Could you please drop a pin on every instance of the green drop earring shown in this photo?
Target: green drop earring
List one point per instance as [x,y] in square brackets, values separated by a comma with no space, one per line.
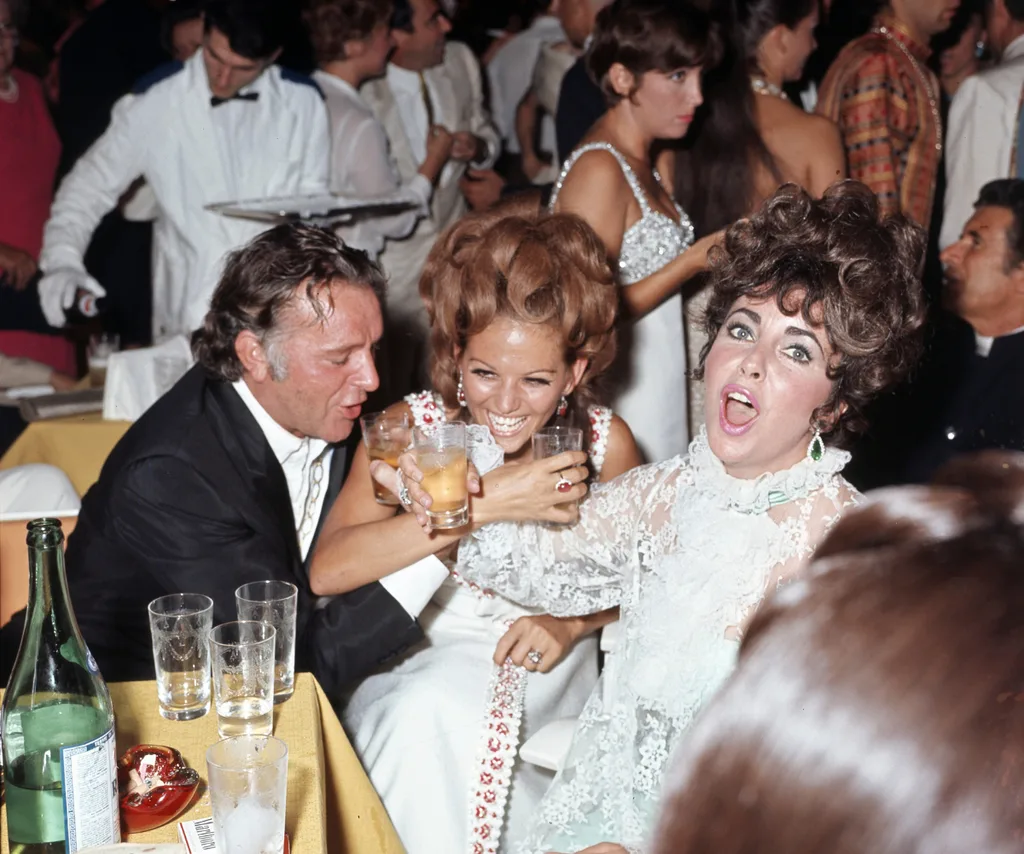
[816,449]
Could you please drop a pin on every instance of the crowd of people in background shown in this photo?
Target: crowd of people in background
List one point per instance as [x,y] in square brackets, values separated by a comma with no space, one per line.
[766,254]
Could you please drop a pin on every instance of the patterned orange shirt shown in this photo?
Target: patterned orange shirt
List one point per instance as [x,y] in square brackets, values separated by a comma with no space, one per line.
[887,116]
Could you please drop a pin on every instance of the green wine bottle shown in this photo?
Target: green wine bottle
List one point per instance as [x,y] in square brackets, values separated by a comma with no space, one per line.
[59,757]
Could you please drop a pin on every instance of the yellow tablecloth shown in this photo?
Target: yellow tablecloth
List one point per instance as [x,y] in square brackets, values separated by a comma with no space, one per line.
[331,804]
[78,444]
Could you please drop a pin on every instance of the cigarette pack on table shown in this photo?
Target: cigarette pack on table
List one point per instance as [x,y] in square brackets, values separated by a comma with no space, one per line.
[197,837]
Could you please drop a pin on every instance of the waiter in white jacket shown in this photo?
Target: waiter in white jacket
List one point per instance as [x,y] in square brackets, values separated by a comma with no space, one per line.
[982,127]
[226,125]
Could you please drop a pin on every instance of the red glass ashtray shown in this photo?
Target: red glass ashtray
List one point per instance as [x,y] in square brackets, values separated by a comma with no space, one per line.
[156,786]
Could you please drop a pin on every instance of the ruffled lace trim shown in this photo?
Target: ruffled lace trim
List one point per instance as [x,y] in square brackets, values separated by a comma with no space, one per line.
[761,493]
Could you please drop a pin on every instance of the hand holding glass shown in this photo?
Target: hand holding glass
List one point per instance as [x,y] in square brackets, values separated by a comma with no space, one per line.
[248,777]
[386,435]
[243,677]
[274,603]
[441,456]
[180,627]
[552,441]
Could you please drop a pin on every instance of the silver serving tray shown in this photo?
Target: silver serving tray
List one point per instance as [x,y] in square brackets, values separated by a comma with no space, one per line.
[316,208]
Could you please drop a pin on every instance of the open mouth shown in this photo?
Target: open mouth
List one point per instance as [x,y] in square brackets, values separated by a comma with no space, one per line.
[504,426]
[738,410]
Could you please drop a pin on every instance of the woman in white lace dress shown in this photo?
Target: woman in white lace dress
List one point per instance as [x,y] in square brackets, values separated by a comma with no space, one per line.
[522,309]
[648,57]
[815,308]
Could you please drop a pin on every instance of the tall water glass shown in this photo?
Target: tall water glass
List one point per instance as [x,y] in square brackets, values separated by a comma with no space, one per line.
[441,456]
[387,435]
[248,777]
[180,628]
[552,441]
[274,602]
[243,677]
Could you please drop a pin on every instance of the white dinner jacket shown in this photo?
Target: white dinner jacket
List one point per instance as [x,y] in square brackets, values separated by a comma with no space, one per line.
[192,154]
[980,134]
[458,104]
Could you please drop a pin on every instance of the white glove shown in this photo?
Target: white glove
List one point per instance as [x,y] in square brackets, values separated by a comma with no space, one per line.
[57,290]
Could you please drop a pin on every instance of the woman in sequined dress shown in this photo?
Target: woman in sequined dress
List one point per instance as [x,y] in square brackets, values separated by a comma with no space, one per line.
[648,57]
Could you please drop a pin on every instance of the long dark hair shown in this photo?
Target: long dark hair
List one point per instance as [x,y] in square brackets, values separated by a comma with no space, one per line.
[715,170]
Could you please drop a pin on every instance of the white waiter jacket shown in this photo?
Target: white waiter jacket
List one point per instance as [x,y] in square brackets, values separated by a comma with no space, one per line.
[980,135]
[192,154]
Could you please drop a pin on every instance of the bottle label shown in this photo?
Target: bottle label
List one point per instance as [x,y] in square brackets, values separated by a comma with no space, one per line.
[89,772]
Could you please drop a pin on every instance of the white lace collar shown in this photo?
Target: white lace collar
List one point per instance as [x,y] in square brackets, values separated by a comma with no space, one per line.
[760,494]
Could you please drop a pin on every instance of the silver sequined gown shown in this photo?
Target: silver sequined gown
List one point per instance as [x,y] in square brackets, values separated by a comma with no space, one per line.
[649,380]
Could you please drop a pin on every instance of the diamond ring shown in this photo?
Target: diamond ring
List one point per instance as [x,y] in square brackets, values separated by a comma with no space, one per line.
[535,656]
[403,491]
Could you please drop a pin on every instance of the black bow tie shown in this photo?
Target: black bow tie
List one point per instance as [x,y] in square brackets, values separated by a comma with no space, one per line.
[238,96]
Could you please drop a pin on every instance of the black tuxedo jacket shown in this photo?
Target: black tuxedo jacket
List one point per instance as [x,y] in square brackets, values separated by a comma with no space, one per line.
[982,409]
[193,500]
[580,104]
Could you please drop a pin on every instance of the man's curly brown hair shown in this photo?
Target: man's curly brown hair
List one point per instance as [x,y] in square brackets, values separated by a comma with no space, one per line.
[518,262]
[845,269]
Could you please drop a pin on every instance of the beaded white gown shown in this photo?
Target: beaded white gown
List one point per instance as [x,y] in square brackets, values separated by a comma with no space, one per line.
[418,724]
[688,552]
[649,379]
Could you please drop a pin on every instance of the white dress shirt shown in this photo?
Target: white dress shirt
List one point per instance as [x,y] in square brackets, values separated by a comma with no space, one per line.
[510,72]
[361,167]
[306,464]
[980,134]
[983,343]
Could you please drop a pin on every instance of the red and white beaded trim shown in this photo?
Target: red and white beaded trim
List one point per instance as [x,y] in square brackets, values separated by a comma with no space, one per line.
[506,692]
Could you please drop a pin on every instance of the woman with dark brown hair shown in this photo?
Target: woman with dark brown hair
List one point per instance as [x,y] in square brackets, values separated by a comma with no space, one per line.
[648,57]
[522,306]
[878,705]
[815,309]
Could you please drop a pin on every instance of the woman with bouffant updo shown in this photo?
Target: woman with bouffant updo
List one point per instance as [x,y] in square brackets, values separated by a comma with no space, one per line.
[522,307]
[878,705]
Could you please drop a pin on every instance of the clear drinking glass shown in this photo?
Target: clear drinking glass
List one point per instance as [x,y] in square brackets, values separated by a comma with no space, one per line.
[441,456]
[274,602]
[248,777]
[386,434]
[180,627]
[101,345]
[243,677]
[551,441]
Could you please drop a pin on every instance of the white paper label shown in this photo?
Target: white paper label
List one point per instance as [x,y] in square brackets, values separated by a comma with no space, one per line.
[90,793]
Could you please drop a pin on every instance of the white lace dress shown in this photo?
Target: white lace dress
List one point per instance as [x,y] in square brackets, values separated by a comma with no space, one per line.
[418,725]
[649,378]
[688,552]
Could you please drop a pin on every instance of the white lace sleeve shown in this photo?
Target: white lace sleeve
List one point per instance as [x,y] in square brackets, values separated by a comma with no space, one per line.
[573,570]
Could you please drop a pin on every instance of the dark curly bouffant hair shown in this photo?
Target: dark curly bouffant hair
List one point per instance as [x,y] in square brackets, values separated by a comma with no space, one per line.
[288,262]
[519,262]
[331,23]
[842,267]
[651,35]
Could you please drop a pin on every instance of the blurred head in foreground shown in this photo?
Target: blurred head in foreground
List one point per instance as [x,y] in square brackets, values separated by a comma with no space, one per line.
[879,704]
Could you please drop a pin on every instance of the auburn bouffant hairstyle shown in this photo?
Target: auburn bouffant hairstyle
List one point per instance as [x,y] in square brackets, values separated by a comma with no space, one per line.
[516,261]
[878,704]
[331,23]
[844,268]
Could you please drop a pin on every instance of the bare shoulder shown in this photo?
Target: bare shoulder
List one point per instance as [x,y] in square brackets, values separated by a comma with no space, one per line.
[596,173]
[622,453]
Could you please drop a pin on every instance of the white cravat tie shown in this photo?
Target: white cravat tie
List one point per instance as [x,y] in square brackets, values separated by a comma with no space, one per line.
[308,523]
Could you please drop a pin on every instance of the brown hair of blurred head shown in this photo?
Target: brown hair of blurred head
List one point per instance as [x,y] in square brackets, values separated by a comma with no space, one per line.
[651,35]
[518,262]
[878,704]
[262,278]
[331,23]
[838,263]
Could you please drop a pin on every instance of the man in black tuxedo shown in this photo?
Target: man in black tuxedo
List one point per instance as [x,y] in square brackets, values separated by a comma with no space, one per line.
[975,399]
[228,477]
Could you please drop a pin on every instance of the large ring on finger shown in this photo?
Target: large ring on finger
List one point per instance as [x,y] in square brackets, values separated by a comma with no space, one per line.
[535,656]
[563,485]
[403,491]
